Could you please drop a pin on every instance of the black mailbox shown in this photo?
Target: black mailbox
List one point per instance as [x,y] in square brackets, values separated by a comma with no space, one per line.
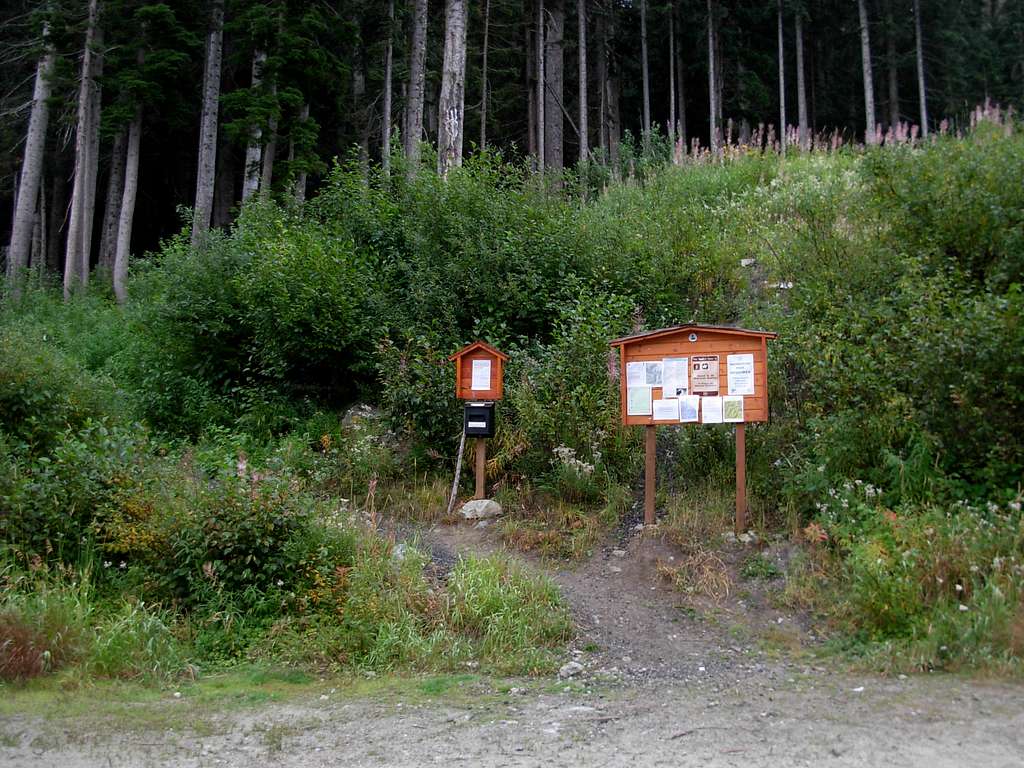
[478,420]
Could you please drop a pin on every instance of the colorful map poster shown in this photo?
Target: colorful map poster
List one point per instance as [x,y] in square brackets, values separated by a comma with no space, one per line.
[732,409]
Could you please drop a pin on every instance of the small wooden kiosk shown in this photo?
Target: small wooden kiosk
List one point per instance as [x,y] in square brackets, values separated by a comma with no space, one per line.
[694,374]
[479,377]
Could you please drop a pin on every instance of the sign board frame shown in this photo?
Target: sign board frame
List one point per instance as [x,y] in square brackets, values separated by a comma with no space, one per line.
[748,351]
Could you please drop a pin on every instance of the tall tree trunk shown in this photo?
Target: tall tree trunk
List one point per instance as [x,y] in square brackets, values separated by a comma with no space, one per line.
[254,149]
[554,120]
[921,94]
[645,76]
[782,84]
[602,83]
[300,177]
[541,85]
[712,79]
[584,129]
[869,89]
[672,75]
[417,83]
[112,208]
[531,91]
[124,224]
[681,131]
[269,152]
[32,165]
[207,166]
[483,76]
[892,65]
[38,247]
[58,213]
[93,163]
[77,228]
[385,123]
[224,183]
[801,89]
[451,117]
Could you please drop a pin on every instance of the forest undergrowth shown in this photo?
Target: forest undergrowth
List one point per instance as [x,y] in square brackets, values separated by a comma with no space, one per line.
[185,483]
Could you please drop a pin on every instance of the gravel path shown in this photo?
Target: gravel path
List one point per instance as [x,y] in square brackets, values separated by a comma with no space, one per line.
[661,682]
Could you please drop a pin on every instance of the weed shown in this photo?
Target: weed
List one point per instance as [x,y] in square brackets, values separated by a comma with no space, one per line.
[757,567]
[699,572]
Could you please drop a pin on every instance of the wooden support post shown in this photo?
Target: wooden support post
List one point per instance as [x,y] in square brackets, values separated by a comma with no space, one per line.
[481,469]
[741,478]
[650,441]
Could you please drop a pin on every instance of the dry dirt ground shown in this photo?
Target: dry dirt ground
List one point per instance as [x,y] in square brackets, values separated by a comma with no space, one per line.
[665,681]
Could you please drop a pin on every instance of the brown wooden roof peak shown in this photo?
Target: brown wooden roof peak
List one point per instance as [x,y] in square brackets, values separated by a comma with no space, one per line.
[479,345]
[692,327]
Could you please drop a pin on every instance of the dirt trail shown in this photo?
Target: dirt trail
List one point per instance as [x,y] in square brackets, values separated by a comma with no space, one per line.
[663,683]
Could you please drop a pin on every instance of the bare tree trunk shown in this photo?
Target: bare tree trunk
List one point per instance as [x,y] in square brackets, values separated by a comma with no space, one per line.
[451,118]
[921,94]
[681,97]
[892,65]
[483,76]
[207,167]
[300,178]
[712,79]
[254,149]
[554,81]
[782,84]
[417,83]
[58,213]
[112,208]
[531,92]
[672,75]
[224,184]
[38,263]
[385,123]
[77,224]
[645,75]
[801,90]
[32,165]
[38,235]
[869,90]
[124,224]
[269,154]
[602,83]
[93,162]
[541,85]
[584,129]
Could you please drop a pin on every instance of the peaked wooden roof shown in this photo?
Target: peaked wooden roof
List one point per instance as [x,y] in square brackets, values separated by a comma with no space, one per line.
[479,345]
[691,327]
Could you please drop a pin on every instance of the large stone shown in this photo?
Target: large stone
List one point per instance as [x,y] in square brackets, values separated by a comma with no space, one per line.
[480,509]
[572,669]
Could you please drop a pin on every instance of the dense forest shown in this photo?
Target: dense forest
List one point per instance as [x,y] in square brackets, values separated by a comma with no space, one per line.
[119,114]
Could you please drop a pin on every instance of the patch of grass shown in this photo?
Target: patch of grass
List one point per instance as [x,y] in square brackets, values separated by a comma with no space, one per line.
[552,528]
[425,500]
[757,567]
[439,685]
[698,515]
[699,572]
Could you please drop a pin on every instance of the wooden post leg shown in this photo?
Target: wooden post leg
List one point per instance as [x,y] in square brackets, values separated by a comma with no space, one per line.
[650,440]
[481,469]
[741,478]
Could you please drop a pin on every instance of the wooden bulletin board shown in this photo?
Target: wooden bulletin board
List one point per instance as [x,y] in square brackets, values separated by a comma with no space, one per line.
[483,359]
[718,351]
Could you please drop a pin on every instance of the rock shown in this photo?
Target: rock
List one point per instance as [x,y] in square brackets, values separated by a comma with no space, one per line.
[571,669]
[748,262]
[480,509]
[482,524]
[614,569]
[398,553]
[619,552]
